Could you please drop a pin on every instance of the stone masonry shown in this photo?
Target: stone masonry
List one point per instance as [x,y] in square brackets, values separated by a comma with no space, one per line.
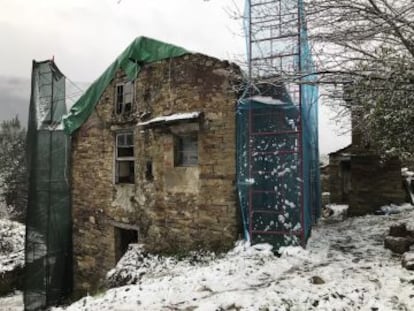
[339,175]
[179,208]
[361,177]
[371,182]
[374,183]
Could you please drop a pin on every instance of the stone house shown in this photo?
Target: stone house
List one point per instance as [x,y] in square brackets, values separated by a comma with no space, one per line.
[153,161]
[360,177]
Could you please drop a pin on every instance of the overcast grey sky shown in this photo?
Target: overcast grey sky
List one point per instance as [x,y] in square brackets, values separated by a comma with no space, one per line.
[85,36]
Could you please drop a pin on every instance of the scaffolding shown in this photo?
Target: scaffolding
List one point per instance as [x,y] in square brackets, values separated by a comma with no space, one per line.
[277,135]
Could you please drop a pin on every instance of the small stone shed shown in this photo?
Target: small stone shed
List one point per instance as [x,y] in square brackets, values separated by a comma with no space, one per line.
[153,158]
[360,177]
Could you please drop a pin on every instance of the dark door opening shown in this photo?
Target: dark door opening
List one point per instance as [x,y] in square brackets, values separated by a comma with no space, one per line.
[345,167]
[123,237]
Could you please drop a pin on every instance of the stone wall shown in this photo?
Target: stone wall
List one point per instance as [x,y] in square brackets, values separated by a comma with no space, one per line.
[178,208]
[324,172]
[324,178]
[335,185]
[374,183]
[337,178]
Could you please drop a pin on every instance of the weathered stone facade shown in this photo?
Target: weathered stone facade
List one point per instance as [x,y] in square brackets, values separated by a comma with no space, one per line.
[374,183]
[364,181]
[174,208]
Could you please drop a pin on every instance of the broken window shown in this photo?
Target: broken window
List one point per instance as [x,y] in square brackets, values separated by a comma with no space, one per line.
[124,162]
[186,150]
[124,96]
[124,237]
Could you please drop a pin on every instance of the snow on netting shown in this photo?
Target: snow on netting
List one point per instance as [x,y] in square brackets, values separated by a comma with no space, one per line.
[277,127]
[48,222]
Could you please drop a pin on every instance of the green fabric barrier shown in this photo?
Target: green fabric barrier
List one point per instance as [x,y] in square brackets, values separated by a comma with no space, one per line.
[140,52]
[48,246]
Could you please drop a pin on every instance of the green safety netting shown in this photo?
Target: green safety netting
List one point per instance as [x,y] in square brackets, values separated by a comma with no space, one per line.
[269,170]
[141,51]
[277,127]
[48,247]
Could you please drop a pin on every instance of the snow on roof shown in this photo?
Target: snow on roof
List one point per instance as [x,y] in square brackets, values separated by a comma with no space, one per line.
[268,100]
[171,118]
[342,150]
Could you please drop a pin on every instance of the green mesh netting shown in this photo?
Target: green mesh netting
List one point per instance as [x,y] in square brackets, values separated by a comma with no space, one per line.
[277,127]
[48,250]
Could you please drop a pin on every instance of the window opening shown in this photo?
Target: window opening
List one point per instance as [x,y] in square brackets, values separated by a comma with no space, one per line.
[186,150]
[148,171]
[124,237]
[124,163]
[124,97]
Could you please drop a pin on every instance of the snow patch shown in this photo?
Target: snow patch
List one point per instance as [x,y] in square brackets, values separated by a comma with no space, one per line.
[173,117]
[12,302]
[268,100]
[12,236]
[395,209]
[335,211]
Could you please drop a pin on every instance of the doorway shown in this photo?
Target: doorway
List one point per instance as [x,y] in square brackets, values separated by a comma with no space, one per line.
[124,237]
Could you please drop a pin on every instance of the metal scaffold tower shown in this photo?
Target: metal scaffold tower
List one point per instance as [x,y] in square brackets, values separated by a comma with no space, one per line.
[278,177]
[274,36]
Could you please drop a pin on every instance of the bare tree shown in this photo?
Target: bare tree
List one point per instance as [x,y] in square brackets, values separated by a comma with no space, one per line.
[369,45]
[348,33]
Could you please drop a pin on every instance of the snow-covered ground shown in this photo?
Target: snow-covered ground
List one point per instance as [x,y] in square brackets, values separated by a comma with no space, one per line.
[11,256]
[12,302]
[11,245]
[345,267]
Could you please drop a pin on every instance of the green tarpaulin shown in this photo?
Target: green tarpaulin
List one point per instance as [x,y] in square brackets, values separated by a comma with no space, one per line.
[141,51]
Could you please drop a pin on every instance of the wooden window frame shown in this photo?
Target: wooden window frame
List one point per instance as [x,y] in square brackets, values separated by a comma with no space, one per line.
[123,91]
[126,157]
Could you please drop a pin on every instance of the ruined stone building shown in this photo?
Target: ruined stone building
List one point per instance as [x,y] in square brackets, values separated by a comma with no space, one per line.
[154,162]
[169,149]
[360,177]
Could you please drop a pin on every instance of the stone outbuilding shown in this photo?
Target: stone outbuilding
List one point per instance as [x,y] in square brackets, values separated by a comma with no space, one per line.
[153,161]
[365,181]
[361,177]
